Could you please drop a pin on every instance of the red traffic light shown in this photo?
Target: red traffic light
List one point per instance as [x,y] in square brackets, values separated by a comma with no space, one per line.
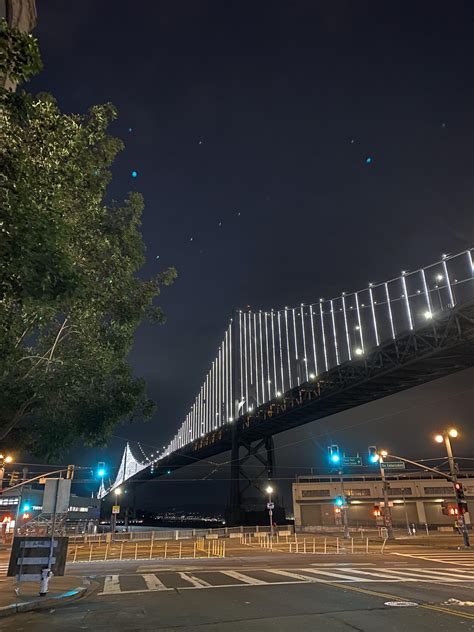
[457,485]
[26,515]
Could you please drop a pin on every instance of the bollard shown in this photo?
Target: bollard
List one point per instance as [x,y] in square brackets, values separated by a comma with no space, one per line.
[75,554]
[367,545]
[106,551]
[290,548]
[337,545]
[297,546]
[314,545]
[121,550]
[208,549]
[325,545]
[180,545]
[194,550]
[90,553]
[151,549]
[304,545]
[166,549]
[223,549]
[136,550]
[352,545]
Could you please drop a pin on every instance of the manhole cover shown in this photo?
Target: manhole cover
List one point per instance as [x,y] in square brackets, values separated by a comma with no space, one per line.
[401,604]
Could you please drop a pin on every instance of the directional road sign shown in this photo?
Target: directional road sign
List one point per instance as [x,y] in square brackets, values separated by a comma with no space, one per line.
[352,461]
[393,465]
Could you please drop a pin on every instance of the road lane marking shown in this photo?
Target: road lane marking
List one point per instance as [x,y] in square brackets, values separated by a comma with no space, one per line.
[253,581]
[303,578]
[111,584]
[441,575]
[337,575]
[377,574]
[195,581]
[153,583]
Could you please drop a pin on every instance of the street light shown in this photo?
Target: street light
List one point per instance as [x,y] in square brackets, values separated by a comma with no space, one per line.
[269,491]
[446,436]
[113,517]
[3,460]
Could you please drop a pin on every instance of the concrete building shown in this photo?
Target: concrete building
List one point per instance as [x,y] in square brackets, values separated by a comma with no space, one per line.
[417,498]
[83,511]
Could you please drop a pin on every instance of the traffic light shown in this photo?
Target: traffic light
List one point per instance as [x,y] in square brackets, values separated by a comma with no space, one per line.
[14,478]
[453,511]
[462,503]
[377,512]
[26,507]
[101,471]
[334,456]
[373,454]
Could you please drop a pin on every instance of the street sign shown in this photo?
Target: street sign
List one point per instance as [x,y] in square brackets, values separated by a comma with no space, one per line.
[30,555]
[116,509]
[352,461]
[56,495]
[270,505]
[392,465]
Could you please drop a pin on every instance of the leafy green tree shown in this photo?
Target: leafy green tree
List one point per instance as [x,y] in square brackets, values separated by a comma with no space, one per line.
[70,296]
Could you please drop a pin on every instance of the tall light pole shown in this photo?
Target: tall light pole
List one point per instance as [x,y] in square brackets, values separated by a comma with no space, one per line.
[269,491]
[387,512]
[446,437]
[113,517]
[3,461]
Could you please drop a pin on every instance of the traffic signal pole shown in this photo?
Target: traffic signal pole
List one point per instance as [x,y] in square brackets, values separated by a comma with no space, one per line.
[458,492]
[344,508]
[387,513]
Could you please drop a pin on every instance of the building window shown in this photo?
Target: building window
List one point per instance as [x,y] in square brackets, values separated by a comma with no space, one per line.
[358,492]
[81,509]
[315,493]
[400,491]
[437,491]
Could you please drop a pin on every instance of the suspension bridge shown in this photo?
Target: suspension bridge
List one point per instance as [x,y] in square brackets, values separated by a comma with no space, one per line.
[281,368]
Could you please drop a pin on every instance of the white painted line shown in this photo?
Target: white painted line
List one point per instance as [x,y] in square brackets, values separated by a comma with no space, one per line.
[377,574]
[420,573]
[153,583]
[336,575]
[303,578]
[195,581]
[244,578]
[111,584]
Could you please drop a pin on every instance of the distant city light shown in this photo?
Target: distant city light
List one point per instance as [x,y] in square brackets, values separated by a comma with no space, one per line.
[134,174]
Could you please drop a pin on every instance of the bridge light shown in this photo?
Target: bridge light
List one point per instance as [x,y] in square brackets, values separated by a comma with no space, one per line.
[439,277]
[278,395]
[312,376]
[359,351]
[428,315]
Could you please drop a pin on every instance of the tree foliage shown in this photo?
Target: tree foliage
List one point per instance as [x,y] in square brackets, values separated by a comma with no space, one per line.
[70,296]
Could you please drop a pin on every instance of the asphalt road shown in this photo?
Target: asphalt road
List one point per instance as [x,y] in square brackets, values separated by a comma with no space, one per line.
[275,593]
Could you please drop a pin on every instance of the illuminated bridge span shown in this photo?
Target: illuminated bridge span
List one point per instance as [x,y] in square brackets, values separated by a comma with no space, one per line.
[278,369]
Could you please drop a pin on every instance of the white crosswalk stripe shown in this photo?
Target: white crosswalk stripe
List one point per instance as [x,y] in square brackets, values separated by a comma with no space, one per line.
[454,558]
[179,580]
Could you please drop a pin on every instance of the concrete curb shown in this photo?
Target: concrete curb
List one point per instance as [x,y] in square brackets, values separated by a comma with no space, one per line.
[50,602]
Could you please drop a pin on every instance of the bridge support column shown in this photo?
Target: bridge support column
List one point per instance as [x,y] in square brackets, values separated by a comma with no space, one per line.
[252,466]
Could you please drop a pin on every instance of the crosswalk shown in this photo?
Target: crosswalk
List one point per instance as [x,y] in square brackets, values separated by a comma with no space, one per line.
[194,579]
[461,558]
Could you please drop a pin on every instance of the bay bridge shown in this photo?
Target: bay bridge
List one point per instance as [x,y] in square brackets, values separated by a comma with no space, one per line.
[281,368]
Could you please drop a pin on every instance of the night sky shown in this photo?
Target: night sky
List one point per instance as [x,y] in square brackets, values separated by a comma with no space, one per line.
[286,151]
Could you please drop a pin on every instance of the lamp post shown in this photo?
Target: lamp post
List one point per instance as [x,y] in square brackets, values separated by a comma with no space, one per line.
[113,517]
[269,491]
[445,437]
[3,461]
[387,512]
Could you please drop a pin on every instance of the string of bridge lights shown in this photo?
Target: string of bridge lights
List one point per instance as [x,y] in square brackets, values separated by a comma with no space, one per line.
[266,353]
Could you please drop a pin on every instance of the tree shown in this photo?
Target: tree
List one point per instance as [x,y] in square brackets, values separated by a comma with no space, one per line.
[70,296]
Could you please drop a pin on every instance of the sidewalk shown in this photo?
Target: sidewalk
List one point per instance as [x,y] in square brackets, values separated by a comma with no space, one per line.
[62,590]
